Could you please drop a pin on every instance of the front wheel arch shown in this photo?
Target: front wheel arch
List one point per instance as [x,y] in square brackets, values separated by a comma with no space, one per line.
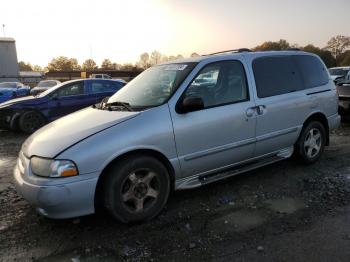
[99,191]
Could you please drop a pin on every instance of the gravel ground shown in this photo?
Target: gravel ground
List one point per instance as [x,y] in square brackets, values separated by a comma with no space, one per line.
[282,212]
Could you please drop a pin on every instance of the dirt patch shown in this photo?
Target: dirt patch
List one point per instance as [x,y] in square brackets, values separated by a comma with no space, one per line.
[285,205]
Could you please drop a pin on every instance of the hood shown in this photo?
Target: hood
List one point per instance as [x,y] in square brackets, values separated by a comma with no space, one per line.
[18,100]
[333,77]
[5,90]
[54,138]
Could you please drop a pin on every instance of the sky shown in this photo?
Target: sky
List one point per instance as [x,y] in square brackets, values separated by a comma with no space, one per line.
[123,29]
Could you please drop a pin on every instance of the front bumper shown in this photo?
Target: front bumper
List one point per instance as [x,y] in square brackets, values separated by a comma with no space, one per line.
[56,197]
[333,121]
[8,118]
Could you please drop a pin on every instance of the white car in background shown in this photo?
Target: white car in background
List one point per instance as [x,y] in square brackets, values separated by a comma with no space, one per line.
[101,76]
[340,73]
[43,86]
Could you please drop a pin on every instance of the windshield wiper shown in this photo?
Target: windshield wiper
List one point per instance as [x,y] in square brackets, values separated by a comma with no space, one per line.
[117,103]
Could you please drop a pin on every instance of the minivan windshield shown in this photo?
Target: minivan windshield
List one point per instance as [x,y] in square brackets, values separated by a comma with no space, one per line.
[154,86]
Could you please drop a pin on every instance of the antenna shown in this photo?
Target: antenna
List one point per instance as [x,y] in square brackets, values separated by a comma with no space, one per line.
[3,29]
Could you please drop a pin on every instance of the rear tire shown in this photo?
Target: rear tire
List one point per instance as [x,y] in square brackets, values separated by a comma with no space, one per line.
[311,143]
[136,189]
[30,121]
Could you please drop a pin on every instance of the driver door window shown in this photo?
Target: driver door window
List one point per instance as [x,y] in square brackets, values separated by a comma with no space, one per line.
[220,83]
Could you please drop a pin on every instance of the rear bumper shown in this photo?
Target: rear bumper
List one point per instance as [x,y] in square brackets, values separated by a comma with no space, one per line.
[333,121]
[344,107]
[58,198]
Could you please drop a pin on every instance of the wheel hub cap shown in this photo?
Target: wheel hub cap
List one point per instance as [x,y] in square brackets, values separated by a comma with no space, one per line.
[140,190]
[313,143]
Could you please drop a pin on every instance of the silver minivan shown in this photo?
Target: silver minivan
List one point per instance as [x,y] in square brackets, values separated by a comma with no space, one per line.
[179,125]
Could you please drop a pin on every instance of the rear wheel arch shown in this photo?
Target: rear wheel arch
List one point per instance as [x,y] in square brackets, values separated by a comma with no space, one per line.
[99,191]
[319,117]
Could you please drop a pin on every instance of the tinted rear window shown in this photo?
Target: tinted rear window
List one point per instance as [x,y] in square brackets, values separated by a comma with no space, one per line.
[284,74]
[276,75]
[312,70]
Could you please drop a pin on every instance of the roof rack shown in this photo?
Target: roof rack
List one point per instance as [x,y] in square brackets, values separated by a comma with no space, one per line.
[292,49]
[240,50]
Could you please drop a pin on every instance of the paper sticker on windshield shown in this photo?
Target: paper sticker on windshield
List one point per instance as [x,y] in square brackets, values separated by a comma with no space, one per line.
[175,67]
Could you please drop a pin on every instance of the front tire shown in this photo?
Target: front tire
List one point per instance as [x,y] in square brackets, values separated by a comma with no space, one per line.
[136,189]
[311,143]
[30,121]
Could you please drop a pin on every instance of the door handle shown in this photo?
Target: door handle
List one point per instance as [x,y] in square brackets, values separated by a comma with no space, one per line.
[261,109]
[250,111]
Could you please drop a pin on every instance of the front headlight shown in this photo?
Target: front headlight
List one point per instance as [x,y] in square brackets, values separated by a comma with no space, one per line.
[52,167]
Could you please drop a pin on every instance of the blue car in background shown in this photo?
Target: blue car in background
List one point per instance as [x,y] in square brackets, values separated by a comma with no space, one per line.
[10,90]
[30,113]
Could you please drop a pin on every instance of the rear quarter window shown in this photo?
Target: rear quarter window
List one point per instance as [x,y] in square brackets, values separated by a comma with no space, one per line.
[313,72]
[276,75]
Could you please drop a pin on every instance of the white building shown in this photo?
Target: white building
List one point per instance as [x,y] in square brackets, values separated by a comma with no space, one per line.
[9,70]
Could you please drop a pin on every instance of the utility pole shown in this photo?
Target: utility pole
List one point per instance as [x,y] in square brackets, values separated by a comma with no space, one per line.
[3,29]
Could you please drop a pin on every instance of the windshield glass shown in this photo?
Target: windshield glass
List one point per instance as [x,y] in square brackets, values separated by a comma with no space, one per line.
[338,71]
[47,83]
[154,86]
[8,85]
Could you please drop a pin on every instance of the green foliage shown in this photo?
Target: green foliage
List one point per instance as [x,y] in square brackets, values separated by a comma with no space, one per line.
[63,63]
[325,55]
[89,64]
[344,59]
[107,65]
[338,44]
[23,66]
[270,46]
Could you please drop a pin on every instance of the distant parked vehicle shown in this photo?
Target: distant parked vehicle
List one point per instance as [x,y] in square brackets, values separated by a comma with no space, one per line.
[30,113]
[101,76]
[344,98]
[43,86]
[10,90]
[339,73]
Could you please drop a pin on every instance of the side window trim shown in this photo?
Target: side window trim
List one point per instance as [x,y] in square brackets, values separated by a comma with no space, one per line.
[219,105]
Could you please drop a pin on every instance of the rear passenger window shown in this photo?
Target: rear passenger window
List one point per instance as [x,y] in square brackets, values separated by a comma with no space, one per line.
[276,75]
[312,70]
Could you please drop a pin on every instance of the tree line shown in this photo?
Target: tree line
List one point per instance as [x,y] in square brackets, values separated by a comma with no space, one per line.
[335,53]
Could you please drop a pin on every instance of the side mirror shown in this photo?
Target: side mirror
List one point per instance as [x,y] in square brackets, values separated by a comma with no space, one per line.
[190,104]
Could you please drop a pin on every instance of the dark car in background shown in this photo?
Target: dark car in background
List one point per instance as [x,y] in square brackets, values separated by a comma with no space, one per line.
[30,113]
[344,99]
[10,90]
[43,86]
